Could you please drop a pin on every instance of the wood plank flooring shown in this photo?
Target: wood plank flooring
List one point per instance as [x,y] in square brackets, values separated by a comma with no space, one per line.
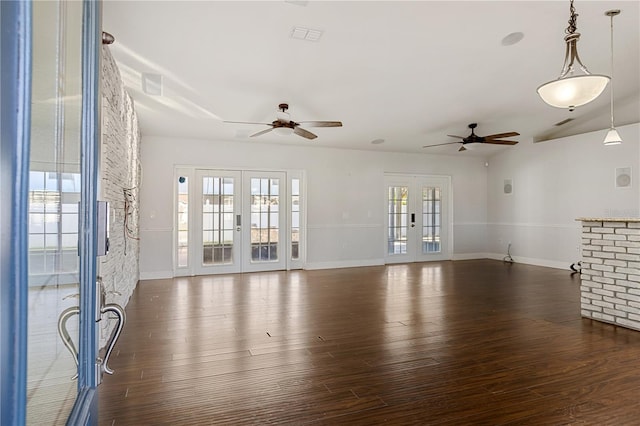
[475,342]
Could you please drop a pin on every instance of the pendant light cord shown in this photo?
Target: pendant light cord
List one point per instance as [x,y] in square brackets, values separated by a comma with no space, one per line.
[611,15]
[573,26]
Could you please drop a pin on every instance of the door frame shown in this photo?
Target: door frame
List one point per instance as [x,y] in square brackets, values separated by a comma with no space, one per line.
[195,245]
[190,172]
[15,107]
[415,255]
[284,238]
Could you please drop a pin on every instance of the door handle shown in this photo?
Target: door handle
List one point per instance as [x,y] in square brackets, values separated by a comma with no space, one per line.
[238,222]
[116,309]
[413,220]
[64,333]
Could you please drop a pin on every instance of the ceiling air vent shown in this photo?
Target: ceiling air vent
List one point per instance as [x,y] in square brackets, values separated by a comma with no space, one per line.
[308,34]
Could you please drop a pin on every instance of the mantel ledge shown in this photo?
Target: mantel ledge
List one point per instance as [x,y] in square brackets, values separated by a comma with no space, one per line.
[608,219]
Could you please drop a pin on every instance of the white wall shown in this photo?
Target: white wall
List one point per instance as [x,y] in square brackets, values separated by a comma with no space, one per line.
[345,196]
[554,183]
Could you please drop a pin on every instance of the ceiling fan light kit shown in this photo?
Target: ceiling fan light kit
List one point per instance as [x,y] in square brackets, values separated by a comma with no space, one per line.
[569,90]
[612,137]
[283,131]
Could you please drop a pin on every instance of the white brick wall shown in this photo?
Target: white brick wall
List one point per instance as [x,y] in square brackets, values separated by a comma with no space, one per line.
[610,289]
[119,182]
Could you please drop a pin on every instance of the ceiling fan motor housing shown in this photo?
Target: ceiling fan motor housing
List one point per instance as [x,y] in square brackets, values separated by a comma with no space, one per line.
[473,138]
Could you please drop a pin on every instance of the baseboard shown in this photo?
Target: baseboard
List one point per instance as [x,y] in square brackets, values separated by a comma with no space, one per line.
[343,264]
[159,275]
[532,261]
[156,275]
[469,256]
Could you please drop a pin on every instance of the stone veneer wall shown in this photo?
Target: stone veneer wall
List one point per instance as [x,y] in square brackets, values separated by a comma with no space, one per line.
[119,183]
[610,289]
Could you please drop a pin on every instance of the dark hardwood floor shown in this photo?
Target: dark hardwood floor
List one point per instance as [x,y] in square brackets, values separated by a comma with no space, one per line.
[457,343]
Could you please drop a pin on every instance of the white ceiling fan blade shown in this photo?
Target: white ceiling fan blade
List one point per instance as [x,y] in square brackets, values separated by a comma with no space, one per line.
[322,123]
[262,132]
[304,133]
[440,144]
[246,122]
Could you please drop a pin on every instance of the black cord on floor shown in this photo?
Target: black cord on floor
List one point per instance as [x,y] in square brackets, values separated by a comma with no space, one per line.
[508,257]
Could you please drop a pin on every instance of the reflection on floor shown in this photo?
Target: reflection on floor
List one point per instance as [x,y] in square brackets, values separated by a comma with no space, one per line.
[50,366]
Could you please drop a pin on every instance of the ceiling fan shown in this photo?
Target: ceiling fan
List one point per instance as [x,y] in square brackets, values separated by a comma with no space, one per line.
[285,125]
[473,139]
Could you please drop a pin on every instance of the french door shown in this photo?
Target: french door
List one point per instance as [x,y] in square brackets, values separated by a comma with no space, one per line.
[48,187]
[241,221]
[418,218]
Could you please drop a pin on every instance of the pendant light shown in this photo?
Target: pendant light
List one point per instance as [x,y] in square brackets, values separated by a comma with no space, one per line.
[569,90]
[612,138]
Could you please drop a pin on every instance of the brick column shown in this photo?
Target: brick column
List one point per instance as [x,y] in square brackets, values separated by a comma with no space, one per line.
[610,288]
[119,183]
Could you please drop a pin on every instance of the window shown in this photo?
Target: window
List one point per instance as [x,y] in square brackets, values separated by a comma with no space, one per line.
[183,222]
[397,216]
[295,219]
[265,205]
[53,227]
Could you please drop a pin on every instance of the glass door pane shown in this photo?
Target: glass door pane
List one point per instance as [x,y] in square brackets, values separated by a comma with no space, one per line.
[182,254]
[295,219]
[219,221]
[397,224]
[264,219]
[54,197]
[431,211]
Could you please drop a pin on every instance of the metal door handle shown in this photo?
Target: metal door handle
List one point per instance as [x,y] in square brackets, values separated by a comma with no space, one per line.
[64,333]
[116,309]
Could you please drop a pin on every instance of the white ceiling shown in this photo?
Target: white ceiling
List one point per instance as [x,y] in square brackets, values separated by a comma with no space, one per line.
[408,72]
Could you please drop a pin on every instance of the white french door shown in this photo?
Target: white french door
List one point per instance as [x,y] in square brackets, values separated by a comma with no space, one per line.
[418,218]
[240,221]
[264,213]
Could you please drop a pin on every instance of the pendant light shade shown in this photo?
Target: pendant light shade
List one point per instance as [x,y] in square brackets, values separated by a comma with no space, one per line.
[569,90]
[612,137]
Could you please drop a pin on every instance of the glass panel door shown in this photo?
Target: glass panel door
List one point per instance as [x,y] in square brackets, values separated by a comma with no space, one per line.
[240,222]
[220,221]
[400,226]
[434,218]
[417,218]
[265,201]
[54,197]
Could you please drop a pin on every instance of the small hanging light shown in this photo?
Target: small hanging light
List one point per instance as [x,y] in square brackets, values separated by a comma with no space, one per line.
[612,138]
[569,90]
